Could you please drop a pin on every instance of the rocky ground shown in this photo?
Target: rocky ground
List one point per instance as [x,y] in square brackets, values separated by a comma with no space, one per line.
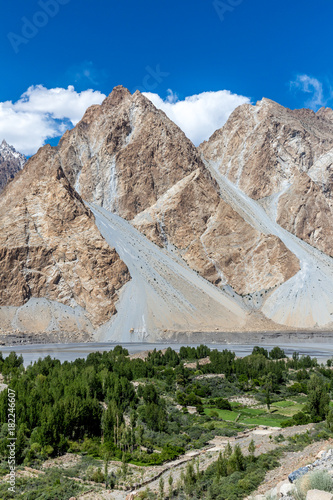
[264,338]
[13,339]
[313,454]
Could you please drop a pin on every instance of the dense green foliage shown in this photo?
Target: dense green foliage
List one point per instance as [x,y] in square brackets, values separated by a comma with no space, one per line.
[110,406]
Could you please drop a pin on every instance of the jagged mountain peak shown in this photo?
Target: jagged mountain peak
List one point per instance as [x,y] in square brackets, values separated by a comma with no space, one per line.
[116,96]
[11,162]
[125,141]
[326,113]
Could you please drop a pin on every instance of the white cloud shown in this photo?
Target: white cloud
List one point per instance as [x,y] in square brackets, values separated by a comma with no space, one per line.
[313,87]
[42,114]
[199,115]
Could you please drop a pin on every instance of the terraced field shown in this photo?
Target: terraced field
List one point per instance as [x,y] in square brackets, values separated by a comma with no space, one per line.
[253,416]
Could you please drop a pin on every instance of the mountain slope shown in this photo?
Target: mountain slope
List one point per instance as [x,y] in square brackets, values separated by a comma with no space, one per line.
[282,158]
[129,158]
[164,296]
[50,248]
[306,300]
[193,240]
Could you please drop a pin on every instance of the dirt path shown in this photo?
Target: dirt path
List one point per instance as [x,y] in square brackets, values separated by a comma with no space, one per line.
[263,439]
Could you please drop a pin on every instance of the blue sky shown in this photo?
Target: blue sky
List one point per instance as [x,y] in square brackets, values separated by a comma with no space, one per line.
[253,48]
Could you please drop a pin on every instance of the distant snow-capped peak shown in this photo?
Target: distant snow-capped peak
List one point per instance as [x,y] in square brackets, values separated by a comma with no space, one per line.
[8,152]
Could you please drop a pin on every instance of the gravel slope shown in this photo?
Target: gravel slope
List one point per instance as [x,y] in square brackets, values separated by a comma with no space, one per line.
[163,294]
[305,300]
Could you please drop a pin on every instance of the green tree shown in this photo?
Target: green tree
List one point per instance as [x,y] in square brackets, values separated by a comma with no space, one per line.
[277,353]
[252,449]
[221,466]
[239,458]
[260,350]
[268,387]
[268,398]
[222,404]
[329,420]
[106,463]
[140,431]
[170,481]
[228,451]
[161,488]
[318,398]
[124,466]
[189,478]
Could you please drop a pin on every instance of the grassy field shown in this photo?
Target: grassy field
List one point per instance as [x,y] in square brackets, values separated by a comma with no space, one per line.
[289,411]
[283,404]
[271,420]
[279,412]
[224,414]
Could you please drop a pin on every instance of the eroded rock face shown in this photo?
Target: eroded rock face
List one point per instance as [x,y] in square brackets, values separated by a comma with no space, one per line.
[128,157]
[125,154]
[214,239]
[11,162]
[282,158]
[305,211]
[50,246]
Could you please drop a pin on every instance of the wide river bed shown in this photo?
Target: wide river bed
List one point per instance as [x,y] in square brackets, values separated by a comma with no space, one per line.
[70,352]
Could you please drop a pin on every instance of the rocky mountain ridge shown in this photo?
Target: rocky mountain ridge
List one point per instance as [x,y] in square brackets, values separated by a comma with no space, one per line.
[128,157]
[283,159]
[249,211]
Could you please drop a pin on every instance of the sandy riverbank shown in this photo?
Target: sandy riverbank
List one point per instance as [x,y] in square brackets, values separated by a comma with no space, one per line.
[260,338]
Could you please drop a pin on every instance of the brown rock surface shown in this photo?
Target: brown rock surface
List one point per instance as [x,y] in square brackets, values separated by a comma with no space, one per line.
[305,211]
[282,158]
[128,157]
[50,246]
[125,154]
[214,240]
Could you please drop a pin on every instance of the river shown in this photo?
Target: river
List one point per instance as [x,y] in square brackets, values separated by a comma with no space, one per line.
[70,352]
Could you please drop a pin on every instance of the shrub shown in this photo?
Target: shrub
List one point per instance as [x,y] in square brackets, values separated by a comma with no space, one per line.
[223,404]
[98,476]
[318,480]
[299,418]
[277,353]
[321,480]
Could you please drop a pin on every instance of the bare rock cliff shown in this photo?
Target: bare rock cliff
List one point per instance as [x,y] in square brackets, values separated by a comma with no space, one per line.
[282,158]
[50,246]
[240,212]
[128,157]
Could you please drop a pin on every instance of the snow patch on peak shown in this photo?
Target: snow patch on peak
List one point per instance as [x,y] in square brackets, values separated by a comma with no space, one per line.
[8,152]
